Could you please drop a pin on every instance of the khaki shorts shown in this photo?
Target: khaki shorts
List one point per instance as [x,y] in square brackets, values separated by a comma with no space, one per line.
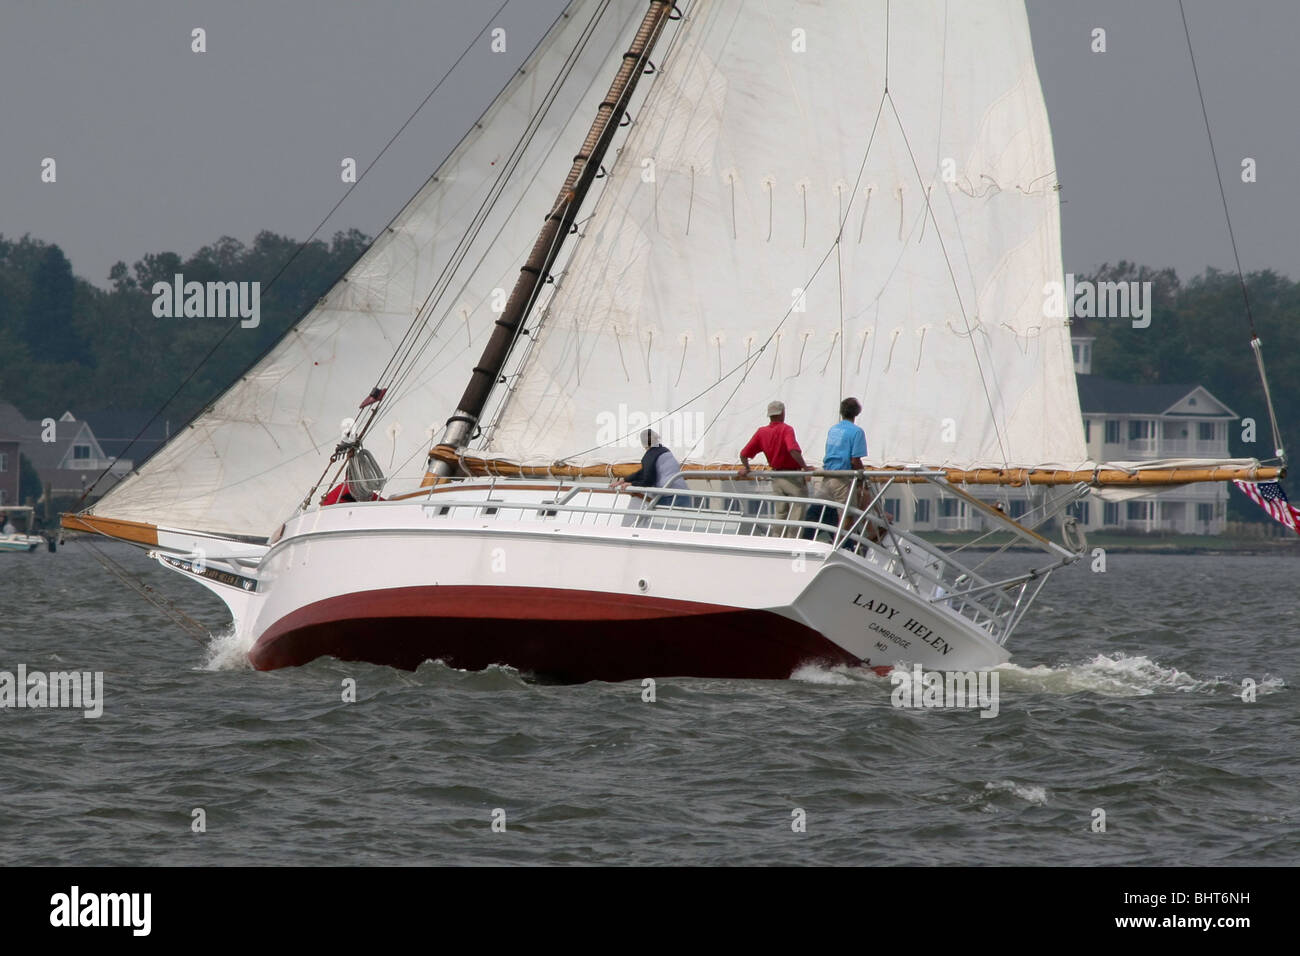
[835,489]
[789,488]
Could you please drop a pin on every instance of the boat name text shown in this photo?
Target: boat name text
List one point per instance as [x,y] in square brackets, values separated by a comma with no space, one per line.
[926,634]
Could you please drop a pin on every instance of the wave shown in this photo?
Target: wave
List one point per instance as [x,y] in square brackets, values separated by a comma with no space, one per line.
[227,651]
[1028,793]
[1120,675]
[837,674]
[1117,675]
[492,677]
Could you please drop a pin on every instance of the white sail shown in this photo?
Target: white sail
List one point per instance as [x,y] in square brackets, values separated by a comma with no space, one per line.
[709,283]
[243,465]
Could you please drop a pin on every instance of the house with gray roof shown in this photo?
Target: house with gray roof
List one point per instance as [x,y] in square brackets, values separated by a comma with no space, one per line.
[65,452]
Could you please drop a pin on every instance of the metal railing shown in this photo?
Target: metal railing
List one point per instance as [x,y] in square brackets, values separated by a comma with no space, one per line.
[862,536]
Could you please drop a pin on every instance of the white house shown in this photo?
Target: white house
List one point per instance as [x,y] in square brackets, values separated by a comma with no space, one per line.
[1121,422]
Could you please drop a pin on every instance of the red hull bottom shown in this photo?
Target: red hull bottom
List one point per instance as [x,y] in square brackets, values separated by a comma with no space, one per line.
[561,634]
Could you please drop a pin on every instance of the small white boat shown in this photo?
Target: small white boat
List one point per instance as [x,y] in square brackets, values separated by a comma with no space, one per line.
[12,540]
[19,542]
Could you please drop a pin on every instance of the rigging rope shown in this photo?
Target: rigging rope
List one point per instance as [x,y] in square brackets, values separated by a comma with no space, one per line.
[193,628]
[405,357]
[839,281]
[751,359]
[493,419]
[402,354]
[1255,342]
[988,398]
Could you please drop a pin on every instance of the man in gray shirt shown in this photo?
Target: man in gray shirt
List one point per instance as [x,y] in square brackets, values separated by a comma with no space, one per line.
[658,468]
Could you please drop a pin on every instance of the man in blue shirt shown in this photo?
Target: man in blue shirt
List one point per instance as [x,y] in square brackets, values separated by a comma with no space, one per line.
[846,446]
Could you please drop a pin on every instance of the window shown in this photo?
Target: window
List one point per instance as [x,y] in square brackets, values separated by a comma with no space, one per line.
[3,496]
[921,514]
[1112,432]
[1205,431]
[1087,353]
[1139,510]
[4,461]
[893,508]
[1205,513]
[1110,512]
[1087,430]
[1080,510]
[1139,429]
[951,508]
[1018,508]
[81,452]
[1075,347]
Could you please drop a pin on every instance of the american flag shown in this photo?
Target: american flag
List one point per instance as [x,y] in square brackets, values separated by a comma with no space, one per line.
[1270,496]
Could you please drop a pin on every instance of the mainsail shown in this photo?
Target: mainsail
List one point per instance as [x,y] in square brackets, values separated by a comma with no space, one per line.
[242,466]
[817,199]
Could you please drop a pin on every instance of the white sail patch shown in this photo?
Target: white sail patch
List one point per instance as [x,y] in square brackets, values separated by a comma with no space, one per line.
[385,282]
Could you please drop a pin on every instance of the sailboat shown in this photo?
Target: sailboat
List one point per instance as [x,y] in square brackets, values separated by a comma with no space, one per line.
[10,538]
[672,215]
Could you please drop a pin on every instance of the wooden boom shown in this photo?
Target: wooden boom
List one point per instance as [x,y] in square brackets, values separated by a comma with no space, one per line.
[1173,475]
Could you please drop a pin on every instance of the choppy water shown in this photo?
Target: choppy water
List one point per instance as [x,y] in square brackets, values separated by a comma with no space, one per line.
[1125,695]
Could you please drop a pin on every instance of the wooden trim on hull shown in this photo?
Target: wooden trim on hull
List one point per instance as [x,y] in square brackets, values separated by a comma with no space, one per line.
[136,532]
[1176,475]
[565,634]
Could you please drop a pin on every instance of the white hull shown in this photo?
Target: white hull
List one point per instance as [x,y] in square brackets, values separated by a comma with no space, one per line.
[391,581]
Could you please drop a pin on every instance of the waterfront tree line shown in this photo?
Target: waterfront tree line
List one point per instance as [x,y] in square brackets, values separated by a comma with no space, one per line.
[67,344]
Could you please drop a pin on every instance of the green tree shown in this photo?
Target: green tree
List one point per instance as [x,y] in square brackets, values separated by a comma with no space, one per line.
[50,328]
[29,482]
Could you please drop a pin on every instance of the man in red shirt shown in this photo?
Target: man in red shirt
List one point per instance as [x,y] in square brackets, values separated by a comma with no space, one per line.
[777,443]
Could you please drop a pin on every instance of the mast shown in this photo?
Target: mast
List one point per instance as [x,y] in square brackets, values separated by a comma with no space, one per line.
[586,164]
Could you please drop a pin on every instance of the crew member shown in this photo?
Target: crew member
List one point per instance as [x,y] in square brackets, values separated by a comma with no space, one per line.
[659,469]
[777,443]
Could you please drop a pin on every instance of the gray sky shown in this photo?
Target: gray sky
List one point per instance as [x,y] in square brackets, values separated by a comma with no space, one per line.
[159,148]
